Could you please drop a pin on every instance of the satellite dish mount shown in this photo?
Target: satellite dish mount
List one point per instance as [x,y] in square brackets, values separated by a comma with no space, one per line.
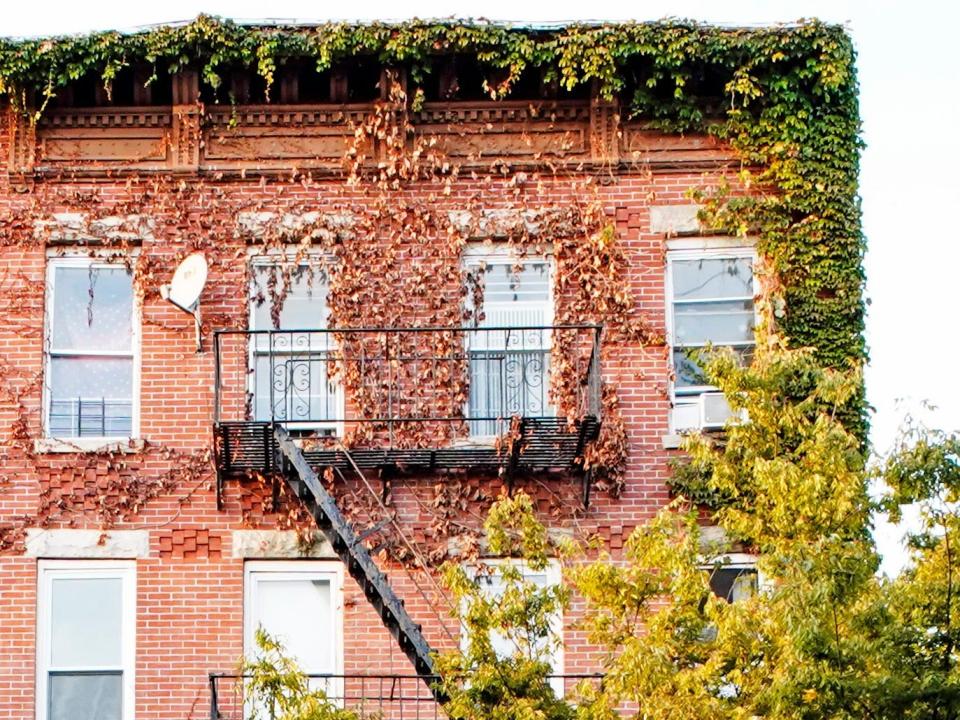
[185,288]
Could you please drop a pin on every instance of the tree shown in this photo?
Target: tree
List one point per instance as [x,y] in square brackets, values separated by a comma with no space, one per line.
[824,637]
[922,633]
[275,688]
[480,682]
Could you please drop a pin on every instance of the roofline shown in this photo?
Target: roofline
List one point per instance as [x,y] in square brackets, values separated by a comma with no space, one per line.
[518,25]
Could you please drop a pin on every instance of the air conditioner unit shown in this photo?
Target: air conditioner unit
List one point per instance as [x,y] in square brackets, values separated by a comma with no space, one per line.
[714,411]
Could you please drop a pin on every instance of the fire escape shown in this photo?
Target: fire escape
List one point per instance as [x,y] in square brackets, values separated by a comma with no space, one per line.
[426,400]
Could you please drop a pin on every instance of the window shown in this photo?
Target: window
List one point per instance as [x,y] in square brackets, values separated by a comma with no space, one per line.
[85,640]
[290,380]
[734,581]
[510,349]
[711,296]
[551,649]
[90,345]
[299,604]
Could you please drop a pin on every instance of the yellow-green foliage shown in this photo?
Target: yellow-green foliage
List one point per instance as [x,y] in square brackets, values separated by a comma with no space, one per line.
[275,688]
[480,685]
[825,637]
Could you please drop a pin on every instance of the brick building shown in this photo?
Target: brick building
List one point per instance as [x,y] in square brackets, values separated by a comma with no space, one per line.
[160,482]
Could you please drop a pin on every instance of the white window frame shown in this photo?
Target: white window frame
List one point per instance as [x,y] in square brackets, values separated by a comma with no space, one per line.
[554,575]
[125,571]
[694,249]
[273,258]
[89,442]
[478,254]
[329,570]
[736,561]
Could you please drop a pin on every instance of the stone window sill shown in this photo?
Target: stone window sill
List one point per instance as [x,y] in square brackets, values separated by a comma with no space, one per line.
[88,445]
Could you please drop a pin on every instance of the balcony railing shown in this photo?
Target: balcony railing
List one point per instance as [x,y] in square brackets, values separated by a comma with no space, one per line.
[408,396]
[385,697]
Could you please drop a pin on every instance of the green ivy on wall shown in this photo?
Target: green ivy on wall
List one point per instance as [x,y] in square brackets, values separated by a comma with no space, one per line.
[784,97]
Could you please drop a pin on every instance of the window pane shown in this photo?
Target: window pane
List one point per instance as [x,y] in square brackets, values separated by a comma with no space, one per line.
[93,696]
[504,282]
[493,587]
[92,309]
[733,584]
[509,370]
[302,388]
[515,298]
[91,397]
[298,613]
[504,384]
[716,322]
[712,278]
[304,305]
[689,374]
[686,370]
[85,622]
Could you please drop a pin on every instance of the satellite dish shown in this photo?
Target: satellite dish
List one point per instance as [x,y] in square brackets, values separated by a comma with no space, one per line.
[187,283]
[185,288]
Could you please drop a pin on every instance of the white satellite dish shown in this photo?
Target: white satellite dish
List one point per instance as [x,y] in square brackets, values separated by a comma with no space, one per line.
[187,283]
[185,288]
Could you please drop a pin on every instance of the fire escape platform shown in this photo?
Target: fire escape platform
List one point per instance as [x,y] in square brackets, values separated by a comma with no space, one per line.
[397,388]
[541,444]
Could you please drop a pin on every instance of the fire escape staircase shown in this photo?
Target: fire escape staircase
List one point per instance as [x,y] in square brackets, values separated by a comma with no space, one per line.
[305,484]
[271,383]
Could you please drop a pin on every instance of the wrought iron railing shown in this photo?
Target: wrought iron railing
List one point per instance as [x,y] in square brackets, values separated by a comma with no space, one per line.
[466,382]
[385,697]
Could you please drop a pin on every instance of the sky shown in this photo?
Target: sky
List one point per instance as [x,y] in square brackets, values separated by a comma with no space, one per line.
[909,172]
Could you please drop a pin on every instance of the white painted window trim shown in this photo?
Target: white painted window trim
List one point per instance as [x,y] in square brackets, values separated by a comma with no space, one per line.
[90,443]
[554,574]
[479,253]
[691,249]
[271,258]
[125,570]
[330,570]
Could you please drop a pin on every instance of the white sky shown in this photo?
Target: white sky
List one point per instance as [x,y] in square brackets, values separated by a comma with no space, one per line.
[909,180]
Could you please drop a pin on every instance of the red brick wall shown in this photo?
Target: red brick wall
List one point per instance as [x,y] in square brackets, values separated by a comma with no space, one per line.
[190,589]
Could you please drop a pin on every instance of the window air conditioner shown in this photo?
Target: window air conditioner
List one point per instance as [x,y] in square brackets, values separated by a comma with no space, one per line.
[714,411]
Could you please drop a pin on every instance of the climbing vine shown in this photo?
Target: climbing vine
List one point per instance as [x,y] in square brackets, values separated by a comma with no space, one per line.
[785,98]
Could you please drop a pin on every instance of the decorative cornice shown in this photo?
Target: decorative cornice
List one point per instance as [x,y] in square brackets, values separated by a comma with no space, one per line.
[287,115]
[509,112]
[108,118]
[188,139]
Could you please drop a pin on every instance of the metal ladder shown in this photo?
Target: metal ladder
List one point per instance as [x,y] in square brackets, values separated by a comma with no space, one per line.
[348,545]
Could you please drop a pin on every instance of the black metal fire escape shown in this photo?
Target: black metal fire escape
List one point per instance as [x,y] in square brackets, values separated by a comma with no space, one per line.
[269,383]
[349,546]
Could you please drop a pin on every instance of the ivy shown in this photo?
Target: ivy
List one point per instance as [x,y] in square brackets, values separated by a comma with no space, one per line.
[784,98]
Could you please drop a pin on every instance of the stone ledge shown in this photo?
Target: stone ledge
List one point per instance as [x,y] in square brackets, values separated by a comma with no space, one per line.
[80,229]
[72,543]
[674,219]
[276,545]
[672,442]
[88,445]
